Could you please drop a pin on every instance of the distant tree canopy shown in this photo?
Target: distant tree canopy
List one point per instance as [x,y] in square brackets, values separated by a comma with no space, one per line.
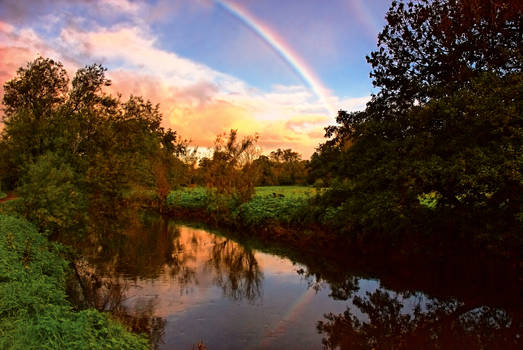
[79,144]
[281,167]
[446,123]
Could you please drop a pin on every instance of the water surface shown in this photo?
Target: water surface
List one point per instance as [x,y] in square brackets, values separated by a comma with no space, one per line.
[188,284]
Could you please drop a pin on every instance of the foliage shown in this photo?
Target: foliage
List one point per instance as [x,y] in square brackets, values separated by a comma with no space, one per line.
[445,123]
[34,311]
[273,209]
[194,198]
[52,197]
[282,167]
[30,100]
[287,191]
[64,139]
[231,170]
[429,47]
[14,207]
[287,205]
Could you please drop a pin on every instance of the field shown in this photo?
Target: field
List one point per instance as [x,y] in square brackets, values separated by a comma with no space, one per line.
[287,191]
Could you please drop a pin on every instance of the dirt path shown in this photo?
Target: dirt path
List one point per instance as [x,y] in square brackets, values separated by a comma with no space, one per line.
[10,195]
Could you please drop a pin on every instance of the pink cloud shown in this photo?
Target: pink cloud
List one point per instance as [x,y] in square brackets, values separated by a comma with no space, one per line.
[196,100]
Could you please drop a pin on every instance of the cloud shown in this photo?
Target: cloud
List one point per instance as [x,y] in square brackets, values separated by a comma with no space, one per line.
[20,12]
[123,6]
[200,112]
[136,49]
[18,47]
[195,99]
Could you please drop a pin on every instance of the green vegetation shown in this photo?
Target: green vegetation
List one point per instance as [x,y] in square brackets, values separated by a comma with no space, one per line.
[264,211]
[34,311]
[287,191]
[230,171]
[71,149]
[189,198]
[271,205]
[439,148]
[281,167]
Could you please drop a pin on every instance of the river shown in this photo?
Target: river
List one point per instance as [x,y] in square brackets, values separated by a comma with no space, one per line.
[186,285]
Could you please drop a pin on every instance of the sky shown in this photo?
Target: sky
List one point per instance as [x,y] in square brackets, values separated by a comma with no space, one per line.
[278,68]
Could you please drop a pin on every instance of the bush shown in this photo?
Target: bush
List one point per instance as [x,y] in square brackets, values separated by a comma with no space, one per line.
[191,198]
[264,210]
[52,196]
[269,206]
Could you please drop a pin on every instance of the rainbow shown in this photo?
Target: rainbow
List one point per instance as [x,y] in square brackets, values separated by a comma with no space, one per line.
[366,17]
[294,312]
[283,50]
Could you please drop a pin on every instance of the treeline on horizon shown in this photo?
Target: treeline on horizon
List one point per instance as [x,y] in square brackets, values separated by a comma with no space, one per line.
[437,149]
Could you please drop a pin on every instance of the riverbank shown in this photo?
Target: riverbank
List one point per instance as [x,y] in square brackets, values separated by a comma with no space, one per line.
[4,197]
[290,224]
[35,312]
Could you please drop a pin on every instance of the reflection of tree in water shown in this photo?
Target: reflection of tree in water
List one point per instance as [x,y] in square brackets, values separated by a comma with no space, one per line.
[141,319]
[140,247]
[129,246]
[109,294]
[342,287]
[237,271]
[178,265]
[433,324]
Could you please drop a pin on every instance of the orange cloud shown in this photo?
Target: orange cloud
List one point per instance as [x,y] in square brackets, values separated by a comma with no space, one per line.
[199,112]
[196,100]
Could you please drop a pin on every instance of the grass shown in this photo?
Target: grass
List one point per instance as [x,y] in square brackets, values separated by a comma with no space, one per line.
[287,191]
[34,310]
[3,195]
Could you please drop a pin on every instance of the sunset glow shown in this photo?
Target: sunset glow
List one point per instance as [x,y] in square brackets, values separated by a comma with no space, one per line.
[279,70]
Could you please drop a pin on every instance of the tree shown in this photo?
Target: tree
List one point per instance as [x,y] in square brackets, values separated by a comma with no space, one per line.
[31,100]
[287,167]
[39,88]
[429,47]
[114,149]
[446,124]
[231,169]
[52,197]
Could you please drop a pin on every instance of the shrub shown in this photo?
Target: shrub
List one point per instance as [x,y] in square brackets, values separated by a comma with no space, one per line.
[263,210]
[191,198]
[52,196]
